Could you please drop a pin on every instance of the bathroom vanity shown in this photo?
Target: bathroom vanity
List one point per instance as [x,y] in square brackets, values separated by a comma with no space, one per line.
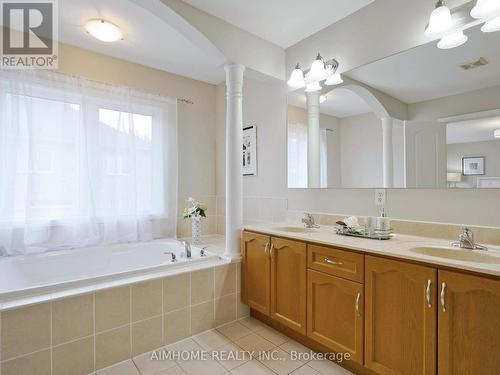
[391,306]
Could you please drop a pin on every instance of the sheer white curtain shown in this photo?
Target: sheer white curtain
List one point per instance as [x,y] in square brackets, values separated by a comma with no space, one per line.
[297,156]
[83,163]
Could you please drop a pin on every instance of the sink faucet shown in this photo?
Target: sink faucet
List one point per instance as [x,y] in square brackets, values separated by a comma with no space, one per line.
[466,240]
[187,248]
[308,220]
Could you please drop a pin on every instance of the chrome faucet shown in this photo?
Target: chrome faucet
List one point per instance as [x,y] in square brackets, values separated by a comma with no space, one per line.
[172,254]
[466,241]
[308,220]
[187,248]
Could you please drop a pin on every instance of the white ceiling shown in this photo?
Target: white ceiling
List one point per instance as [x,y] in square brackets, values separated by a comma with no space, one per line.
[149,38]
[472,130]
[426,72]
[282,22]
[339,103]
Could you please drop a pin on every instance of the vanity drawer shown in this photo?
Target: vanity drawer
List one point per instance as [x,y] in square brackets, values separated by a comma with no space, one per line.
[336,262]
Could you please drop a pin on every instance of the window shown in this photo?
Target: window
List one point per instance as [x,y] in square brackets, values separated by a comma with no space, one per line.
[82,163]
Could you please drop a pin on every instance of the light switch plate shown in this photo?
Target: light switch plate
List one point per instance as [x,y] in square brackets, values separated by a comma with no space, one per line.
[380,197]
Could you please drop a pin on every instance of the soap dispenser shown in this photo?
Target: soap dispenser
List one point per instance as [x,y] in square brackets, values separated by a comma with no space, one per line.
[383,222]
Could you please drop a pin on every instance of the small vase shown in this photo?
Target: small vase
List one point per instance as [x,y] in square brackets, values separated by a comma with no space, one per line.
[196,229]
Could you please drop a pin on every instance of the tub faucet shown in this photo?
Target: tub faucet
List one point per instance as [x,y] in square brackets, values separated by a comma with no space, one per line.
[466,241]
[187,248]
[172,254]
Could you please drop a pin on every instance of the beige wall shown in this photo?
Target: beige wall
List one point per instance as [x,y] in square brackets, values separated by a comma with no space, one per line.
[196,122]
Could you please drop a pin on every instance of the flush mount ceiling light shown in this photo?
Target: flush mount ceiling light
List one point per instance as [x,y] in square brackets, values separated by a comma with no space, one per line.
[497,133]
[453,40]
[103,30]
[320,70]
[440,20]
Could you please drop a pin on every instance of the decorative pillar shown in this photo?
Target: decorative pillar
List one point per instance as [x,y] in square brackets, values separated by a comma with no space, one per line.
[234,163]
[387,152]
[313,159]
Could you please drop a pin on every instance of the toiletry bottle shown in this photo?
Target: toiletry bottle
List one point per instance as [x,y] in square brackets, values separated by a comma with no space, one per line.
[383,222]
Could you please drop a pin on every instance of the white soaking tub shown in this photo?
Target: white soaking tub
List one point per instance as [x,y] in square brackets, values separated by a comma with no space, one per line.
[36,278]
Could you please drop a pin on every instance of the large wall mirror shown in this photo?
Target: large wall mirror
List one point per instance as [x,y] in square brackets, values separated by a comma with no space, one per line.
[410,120]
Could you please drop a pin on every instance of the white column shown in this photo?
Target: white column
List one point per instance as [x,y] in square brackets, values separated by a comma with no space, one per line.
[313,160]
[234,149]
[387,152]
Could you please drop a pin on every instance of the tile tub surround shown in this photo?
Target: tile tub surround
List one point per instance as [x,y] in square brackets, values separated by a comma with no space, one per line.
[443,231]
[85,333]
[398,247]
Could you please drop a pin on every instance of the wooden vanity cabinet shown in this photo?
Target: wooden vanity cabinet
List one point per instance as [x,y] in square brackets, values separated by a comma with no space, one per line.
[400,317]
[256,270]
[288,283]
[469,324]
[335,313]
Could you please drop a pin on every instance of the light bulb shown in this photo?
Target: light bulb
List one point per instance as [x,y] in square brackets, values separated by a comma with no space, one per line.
[334,79]
[440,20]
[486,9]
[103,30]
[313,87]
[452,40]
[491,26]
[297,78]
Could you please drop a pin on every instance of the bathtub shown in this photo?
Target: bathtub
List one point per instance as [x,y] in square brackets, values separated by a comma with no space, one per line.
[37,278]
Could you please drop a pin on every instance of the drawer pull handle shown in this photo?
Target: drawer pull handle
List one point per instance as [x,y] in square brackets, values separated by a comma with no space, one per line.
[428,293]
[271,251]
[443,287]
[335,263]
[357,304]
[266,247]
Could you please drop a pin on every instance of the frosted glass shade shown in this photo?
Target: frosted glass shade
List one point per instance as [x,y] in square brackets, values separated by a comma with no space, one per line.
[486,9]
[491,26]
[313,87]
[439,22]
[297,78]
[317,69]
[497,133]
[453,40]
[103,30]
[334,79]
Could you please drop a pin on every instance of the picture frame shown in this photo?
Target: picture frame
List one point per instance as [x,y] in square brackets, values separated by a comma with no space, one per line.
[473,166]
[249,156]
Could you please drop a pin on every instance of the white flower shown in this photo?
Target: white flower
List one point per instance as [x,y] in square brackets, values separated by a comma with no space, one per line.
[351,222]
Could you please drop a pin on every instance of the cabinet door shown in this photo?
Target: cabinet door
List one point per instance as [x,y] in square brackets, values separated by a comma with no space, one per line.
[288,283]
[469,324]
[400,317]
[256,271]
[335,313]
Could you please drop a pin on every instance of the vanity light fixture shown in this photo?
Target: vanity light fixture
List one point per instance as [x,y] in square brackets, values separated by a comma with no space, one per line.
[440,20]
[453,40]
[497,133]
[320,70]
[313,87]
[491,26]
[297,78]
[104,31]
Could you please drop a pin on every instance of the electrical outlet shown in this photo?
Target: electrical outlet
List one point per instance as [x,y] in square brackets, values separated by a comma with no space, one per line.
[380,197]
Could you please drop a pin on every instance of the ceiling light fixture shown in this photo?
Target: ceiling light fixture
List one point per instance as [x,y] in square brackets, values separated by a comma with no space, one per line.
[453,40]
[497,133]
[440,20]
[103,30]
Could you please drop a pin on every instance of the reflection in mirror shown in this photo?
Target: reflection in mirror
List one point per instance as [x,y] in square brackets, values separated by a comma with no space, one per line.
[424,118]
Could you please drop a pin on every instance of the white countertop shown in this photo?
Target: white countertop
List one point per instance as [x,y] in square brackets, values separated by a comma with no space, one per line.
[398,247]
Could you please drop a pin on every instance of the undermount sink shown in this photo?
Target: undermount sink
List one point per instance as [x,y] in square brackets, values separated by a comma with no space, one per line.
[295,229]
[457,254]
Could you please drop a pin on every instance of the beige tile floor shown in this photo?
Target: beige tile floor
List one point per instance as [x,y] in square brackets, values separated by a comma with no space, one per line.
[246,334]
